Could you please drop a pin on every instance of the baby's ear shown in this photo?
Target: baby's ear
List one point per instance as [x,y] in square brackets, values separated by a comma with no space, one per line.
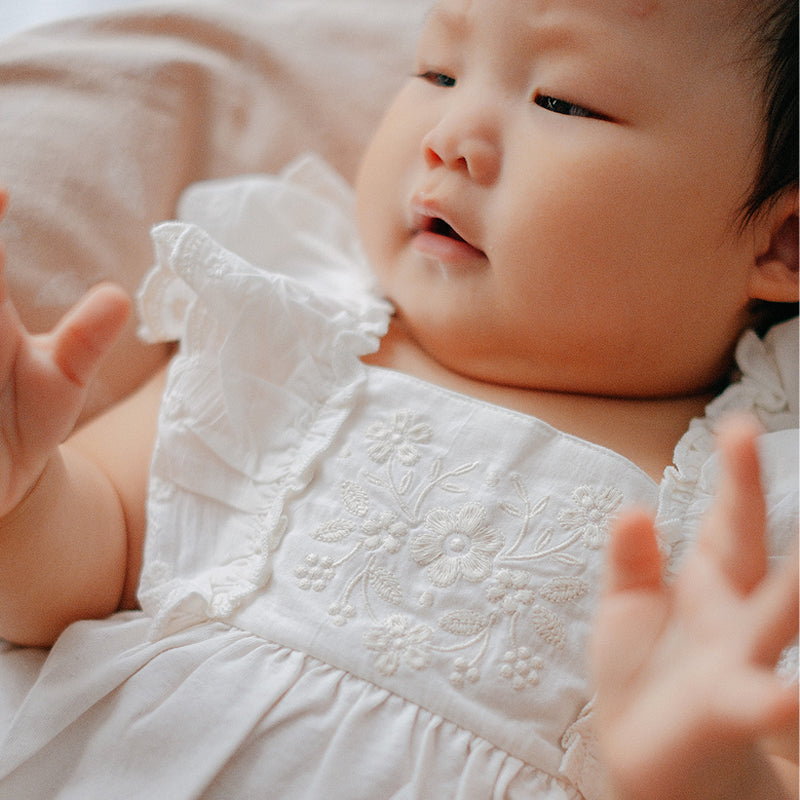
[775,273]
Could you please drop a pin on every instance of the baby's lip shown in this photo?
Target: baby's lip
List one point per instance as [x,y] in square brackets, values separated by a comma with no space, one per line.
[428,216]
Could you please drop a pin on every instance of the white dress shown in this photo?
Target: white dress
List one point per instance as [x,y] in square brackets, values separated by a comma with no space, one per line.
[356,584]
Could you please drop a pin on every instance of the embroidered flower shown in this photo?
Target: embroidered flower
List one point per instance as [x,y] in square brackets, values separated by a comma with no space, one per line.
[521,667]
[398,438]
[591,516]
[396,642]
[384,531]
[462,672]
[314,573]
[340,613]
[457,544]
[510,590]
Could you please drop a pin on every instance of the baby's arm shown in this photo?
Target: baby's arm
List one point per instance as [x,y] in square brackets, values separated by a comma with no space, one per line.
[70,514]
[687,694]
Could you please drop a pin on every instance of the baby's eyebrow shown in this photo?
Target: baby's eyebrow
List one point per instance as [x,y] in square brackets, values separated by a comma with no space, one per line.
[453,21]
[540,35]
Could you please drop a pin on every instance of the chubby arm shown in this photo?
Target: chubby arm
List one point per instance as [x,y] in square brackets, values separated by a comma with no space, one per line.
[71,514]
[688,701]
[73,548]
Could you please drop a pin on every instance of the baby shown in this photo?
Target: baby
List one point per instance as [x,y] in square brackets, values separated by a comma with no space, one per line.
[366,539]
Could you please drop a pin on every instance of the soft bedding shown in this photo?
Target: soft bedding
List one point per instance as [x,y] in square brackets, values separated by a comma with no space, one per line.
[104,119]
[18,17]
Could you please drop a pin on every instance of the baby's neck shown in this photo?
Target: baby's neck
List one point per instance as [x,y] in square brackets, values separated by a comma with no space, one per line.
[644,431]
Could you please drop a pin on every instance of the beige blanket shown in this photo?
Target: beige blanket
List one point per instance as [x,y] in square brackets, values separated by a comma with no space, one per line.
[104,120]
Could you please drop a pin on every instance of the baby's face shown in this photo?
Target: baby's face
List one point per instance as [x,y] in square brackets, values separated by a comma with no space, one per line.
[552,202]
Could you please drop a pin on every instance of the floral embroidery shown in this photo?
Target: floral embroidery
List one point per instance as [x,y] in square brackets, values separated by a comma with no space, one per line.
[315,573]
[341,613]
[354,498]
[590,518]
[395,445]
[388,523]
[457,544]
[384,531]
[396,642]
[398,438]
[336,530]
[549,626]
[521,667]
[463,671]
[510,590]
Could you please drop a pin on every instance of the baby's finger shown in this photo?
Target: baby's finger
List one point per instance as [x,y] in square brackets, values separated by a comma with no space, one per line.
[631,612]
[11,328]
[3,289]
[634,560]
[776,607]
[759,706]
[734,529]
[87,332]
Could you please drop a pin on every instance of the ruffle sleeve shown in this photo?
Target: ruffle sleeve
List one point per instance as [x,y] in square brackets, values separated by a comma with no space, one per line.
[267,369]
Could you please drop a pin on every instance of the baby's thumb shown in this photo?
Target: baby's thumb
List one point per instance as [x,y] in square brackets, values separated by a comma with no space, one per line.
[88,330]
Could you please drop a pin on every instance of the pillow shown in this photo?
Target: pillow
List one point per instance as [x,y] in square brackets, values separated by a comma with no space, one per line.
[106,119]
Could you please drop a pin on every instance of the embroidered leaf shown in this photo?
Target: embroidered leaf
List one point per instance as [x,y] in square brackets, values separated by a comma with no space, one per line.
[511,510]
[464,622]
[539,507]
[436,469]
[386,585]
[567,560]
[464,468]
[354,498]
[519,488]
[452,488]
[563,590]
[544,540]
[549,626]
[405,483]
[336,530]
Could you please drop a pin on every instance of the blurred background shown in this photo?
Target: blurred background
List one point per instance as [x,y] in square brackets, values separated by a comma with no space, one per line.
[18,15]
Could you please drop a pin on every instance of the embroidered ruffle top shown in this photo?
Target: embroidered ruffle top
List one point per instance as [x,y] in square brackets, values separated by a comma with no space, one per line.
[356,584]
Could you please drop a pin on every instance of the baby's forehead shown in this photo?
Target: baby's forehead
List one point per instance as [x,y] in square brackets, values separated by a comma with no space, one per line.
[721,14]
[710,29]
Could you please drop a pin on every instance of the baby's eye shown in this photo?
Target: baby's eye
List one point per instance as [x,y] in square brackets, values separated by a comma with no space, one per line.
[563,107]
[437,78]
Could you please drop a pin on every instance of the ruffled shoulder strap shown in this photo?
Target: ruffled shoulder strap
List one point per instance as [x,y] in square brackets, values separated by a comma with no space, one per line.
[769,377]
[266,373]
[767,387]
[298,224]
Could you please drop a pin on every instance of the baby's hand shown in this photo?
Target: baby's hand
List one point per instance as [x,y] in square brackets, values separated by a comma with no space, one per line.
[43,380]
[686,688]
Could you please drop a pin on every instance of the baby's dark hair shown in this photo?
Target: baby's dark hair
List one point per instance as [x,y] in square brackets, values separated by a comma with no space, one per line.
[776,41]
[775,44]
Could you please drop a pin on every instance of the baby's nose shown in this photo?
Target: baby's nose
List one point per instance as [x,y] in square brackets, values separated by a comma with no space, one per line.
[466,140]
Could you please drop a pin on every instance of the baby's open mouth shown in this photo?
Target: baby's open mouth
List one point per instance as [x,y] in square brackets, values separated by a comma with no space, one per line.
[442,228]
[435,237]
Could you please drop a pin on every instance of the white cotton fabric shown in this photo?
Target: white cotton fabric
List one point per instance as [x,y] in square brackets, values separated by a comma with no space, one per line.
[356,584]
